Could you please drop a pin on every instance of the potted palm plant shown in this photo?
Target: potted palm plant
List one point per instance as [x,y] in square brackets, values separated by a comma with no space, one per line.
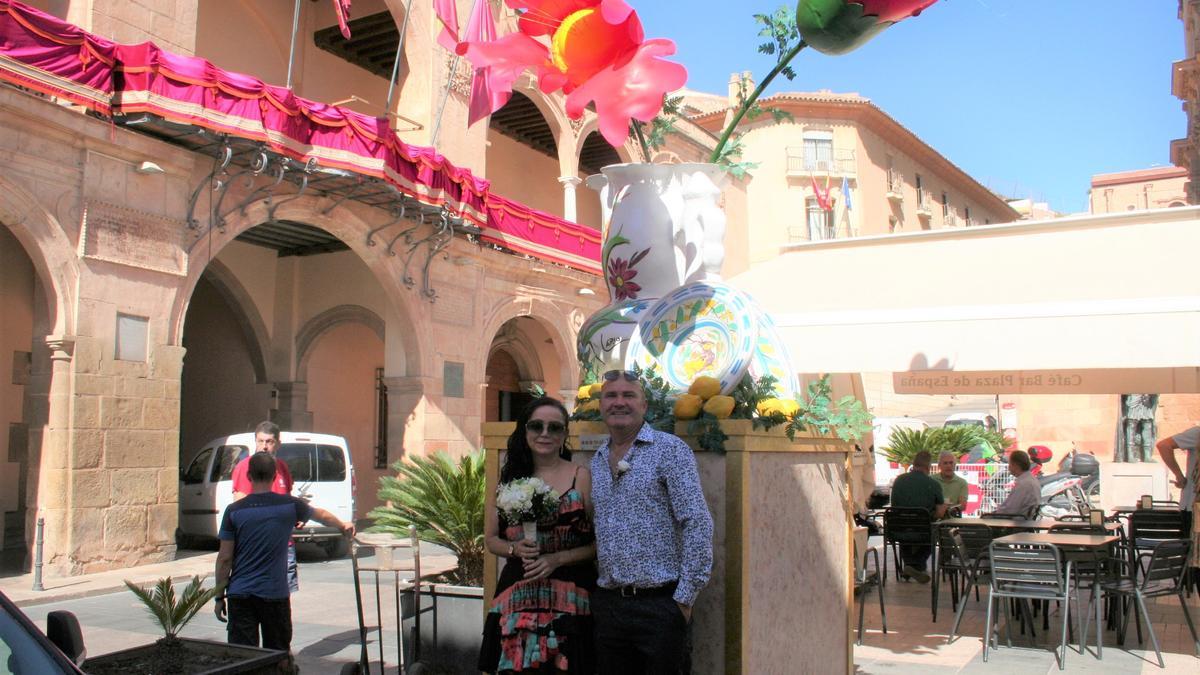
[175,655]
[444,500]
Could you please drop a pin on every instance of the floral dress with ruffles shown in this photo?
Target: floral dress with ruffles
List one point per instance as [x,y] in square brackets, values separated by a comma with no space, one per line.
[544,625]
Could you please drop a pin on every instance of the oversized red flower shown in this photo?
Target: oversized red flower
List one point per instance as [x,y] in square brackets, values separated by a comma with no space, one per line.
[593,50]
[840,26]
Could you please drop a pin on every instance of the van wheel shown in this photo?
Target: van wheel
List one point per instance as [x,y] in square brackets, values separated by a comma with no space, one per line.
[337,548]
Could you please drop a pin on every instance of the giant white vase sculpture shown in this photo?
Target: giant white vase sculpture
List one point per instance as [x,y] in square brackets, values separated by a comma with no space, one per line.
[662,257]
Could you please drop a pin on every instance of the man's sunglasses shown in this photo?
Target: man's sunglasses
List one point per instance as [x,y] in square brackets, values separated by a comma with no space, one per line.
[538,426]
[612,375]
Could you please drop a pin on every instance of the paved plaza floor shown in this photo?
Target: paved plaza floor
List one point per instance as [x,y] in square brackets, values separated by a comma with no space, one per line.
[324,614]
[916,645]
[326,625]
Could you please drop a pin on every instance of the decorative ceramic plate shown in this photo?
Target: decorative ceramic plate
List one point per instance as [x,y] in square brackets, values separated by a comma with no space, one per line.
[698,329]
[770,357]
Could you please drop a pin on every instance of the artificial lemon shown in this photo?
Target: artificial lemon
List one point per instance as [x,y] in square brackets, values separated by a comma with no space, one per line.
[594,389]
[705,387]
[719,407]
[584,392]
[687,406]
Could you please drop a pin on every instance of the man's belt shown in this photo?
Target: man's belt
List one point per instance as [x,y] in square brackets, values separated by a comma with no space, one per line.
[642,591]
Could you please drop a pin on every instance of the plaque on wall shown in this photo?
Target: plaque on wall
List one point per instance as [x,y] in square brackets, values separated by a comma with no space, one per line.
[591,442]
[126,236]
[452,379]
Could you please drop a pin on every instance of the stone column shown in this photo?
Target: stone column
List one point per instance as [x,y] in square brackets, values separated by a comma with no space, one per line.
[406,415]
[291,407]
[50,472]
[569,184]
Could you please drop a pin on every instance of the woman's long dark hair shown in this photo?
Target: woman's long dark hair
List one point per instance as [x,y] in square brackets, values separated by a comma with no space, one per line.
[518,462]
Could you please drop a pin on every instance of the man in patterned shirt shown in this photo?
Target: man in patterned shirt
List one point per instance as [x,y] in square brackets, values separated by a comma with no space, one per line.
[653,537]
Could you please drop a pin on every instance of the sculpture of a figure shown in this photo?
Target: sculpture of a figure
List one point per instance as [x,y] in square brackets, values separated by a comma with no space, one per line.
[1137,431]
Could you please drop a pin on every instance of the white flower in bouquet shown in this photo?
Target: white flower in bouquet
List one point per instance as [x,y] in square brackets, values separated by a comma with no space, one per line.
[526,500]
[622,468]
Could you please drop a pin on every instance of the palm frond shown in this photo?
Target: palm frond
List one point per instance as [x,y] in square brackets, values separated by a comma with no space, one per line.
[444,500]
[170,614]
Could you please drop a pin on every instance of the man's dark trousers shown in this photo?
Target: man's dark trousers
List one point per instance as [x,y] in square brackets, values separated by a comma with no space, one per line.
[641,634]
[248,614]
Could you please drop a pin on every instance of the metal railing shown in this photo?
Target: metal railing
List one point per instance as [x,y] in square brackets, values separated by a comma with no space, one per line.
[820,161]
[895,182]
[988,485]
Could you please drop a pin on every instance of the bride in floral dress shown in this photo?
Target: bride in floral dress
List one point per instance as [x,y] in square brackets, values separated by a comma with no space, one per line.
[540,620]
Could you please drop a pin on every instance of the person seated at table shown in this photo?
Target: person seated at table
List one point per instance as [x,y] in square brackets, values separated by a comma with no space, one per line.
[1026,495]
[954,486]
[917,490]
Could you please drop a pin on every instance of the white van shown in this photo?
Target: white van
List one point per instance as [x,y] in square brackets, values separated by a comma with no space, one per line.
[885,471]
[321,470]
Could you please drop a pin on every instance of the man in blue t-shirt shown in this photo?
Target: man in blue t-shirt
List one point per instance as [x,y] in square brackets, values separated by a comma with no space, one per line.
[252,562]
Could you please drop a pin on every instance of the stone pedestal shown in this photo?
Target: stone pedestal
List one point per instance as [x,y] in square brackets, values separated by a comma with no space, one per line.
[781,590]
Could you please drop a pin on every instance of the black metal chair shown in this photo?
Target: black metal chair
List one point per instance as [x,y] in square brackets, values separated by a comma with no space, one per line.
[905,527]
[864,580]
[954,564]
[1150,527]
[975,567]
[1163,576]
[1028,572]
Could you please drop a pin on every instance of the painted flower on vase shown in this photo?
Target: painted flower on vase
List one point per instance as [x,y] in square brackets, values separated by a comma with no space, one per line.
[593,50]
[841,26]
[620,279]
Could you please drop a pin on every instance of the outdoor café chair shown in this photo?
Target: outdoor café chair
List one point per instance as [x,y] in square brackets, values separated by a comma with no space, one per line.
[955,563]
[905,527]
[1028,572]
[975,567]
[1150,527]
[864,580]
[1163,576]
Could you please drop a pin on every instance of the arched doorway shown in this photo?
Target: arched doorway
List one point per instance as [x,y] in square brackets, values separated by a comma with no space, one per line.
[18,288]
[523,360]
[287,323]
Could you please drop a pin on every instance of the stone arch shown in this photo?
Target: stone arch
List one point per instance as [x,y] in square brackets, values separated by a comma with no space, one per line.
[541,311]
[249,319]
[628,152]
[347,223]
[48,247]
[317,326]
[517,346]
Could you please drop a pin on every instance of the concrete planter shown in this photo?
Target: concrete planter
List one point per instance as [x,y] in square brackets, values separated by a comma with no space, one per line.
[201,657]
[451,627]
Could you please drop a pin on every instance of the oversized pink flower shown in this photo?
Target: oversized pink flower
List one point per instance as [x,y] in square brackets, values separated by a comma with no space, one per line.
[596,52]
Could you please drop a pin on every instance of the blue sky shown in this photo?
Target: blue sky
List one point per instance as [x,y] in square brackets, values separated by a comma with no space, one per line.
[1031,97]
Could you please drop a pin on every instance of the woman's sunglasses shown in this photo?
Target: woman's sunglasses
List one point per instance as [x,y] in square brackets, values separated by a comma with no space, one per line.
[538,426]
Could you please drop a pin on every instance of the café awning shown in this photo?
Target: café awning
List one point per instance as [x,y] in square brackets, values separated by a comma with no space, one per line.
[1084,304]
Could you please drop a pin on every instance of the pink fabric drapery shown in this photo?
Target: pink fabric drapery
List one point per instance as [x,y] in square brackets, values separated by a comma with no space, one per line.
[56,58]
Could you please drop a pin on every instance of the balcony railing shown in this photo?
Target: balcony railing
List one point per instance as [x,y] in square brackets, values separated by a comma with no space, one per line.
[924,203]
[837,161]
[895,185]
[952,220]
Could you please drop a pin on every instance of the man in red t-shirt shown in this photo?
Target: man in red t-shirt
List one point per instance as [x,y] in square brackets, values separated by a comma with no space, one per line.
[266,439]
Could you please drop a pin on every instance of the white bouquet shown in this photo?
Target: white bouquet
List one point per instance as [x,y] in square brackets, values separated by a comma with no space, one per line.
[526,501]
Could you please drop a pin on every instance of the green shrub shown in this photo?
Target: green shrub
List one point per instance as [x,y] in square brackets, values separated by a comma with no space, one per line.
[445,501]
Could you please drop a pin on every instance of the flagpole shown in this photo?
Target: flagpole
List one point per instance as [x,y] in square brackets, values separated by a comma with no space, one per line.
[396,63]
[292,49]
[437,121]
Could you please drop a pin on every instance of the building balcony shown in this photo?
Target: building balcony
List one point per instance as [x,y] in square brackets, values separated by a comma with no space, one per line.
[824,161]
[952,220]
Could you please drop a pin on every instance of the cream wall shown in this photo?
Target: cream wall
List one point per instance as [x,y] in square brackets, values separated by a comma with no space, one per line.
[526,175]
[341,378]
[16,345]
